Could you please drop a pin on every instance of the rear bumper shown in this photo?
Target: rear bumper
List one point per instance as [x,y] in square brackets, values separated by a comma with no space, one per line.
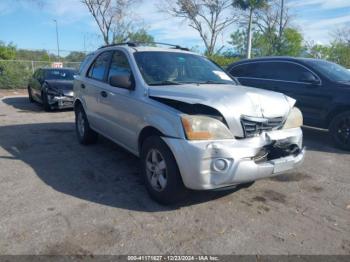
[197,160]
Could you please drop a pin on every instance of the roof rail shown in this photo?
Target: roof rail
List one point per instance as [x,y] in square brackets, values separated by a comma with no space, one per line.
[174,46]
[135,44]
[117,44]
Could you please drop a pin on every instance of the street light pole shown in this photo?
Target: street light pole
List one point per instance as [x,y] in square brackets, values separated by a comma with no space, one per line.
[58,45]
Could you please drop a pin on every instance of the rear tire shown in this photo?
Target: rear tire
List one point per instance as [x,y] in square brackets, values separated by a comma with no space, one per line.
[84,133]
[340,130]
[161,173]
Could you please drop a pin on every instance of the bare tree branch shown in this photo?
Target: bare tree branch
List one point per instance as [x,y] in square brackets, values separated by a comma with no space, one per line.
[112,17]
[208,17]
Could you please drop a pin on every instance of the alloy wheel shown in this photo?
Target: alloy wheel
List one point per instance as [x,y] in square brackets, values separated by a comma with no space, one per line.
[156,170]
[81,124]
[343,130]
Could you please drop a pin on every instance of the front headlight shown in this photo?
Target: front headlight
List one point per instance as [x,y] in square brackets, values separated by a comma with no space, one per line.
[199,127]
[294,119]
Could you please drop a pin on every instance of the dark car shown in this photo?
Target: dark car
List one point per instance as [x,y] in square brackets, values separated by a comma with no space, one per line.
[321,88]
[52,87]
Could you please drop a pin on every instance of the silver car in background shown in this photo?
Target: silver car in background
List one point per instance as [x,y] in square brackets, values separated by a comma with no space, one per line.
[192,125]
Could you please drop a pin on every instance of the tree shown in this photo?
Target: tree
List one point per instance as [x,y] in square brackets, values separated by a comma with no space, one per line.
[263,43]
[238,41]
[140,36]
[251,6]
[272,21]
[291,43]
[339,53]
[338,50]
[317,51]
[208,17]
[8,51]
[75,56]
[34,55]
[112,17]
[342,35]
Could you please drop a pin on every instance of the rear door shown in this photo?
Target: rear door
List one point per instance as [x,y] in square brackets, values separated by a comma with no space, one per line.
[92,87]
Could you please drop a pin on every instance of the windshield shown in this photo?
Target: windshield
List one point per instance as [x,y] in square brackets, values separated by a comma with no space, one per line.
[171,68]
[331,70]
[60,74]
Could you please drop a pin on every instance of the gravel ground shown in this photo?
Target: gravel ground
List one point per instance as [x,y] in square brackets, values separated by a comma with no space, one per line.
[58,197]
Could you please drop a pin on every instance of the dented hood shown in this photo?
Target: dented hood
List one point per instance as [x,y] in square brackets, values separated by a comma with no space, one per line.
[230,100]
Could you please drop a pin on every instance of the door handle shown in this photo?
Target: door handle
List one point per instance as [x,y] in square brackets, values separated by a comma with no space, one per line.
[82,86]
[104,94]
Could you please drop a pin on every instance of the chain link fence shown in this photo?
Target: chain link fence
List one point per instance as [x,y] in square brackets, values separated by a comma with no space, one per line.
[16,73]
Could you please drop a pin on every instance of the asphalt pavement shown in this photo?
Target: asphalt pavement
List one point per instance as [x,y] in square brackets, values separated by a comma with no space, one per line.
[59,197]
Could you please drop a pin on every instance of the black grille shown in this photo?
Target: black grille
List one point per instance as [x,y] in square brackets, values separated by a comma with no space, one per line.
[253,126]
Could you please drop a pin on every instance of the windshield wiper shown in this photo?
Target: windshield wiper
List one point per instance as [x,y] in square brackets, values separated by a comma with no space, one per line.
[166,82]
[212,82]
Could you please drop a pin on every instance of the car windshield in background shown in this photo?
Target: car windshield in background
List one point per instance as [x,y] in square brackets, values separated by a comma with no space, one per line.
[172,68]
[60,74]
[331,70]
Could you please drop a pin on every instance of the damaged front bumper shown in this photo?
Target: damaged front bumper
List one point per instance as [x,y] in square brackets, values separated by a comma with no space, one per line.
[225,163]
[61,101]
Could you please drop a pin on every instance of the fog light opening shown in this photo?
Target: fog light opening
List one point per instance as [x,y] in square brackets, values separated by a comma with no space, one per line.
[220,164]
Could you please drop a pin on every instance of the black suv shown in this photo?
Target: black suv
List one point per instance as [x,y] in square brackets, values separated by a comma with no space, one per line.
[321,88]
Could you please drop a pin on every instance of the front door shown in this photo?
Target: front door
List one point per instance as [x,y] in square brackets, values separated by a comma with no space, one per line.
[118,106]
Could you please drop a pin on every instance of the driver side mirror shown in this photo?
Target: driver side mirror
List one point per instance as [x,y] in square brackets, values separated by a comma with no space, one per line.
[310,78]
[125,81]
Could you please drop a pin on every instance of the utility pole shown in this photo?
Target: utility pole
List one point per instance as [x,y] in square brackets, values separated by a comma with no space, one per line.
[58,45]
[249,43]
[281,18]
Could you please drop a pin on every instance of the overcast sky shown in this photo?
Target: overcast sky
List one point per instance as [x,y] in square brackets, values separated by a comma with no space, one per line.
[30,26]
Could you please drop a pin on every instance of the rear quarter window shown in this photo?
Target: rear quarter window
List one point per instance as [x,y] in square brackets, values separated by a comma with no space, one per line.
[85,62]
[99,67]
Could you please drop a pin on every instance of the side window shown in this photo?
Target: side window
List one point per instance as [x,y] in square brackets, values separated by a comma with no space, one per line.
[119,65]
[249,70]
[291,72]
[240,71]
[263,70]
[99,67]
[284,71]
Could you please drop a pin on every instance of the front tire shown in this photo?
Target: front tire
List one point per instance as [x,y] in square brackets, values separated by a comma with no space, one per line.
[84,133]
[30,95]
[161,173]
[340,130]
[45,99]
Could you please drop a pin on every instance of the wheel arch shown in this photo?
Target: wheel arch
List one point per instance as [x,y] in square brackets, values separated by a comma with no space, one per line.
[79,102]
[146,132]
[336,111]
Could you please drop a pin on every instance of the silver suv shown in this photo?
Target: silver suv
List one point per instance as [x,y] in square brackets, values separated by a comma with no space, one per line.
[192,125]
